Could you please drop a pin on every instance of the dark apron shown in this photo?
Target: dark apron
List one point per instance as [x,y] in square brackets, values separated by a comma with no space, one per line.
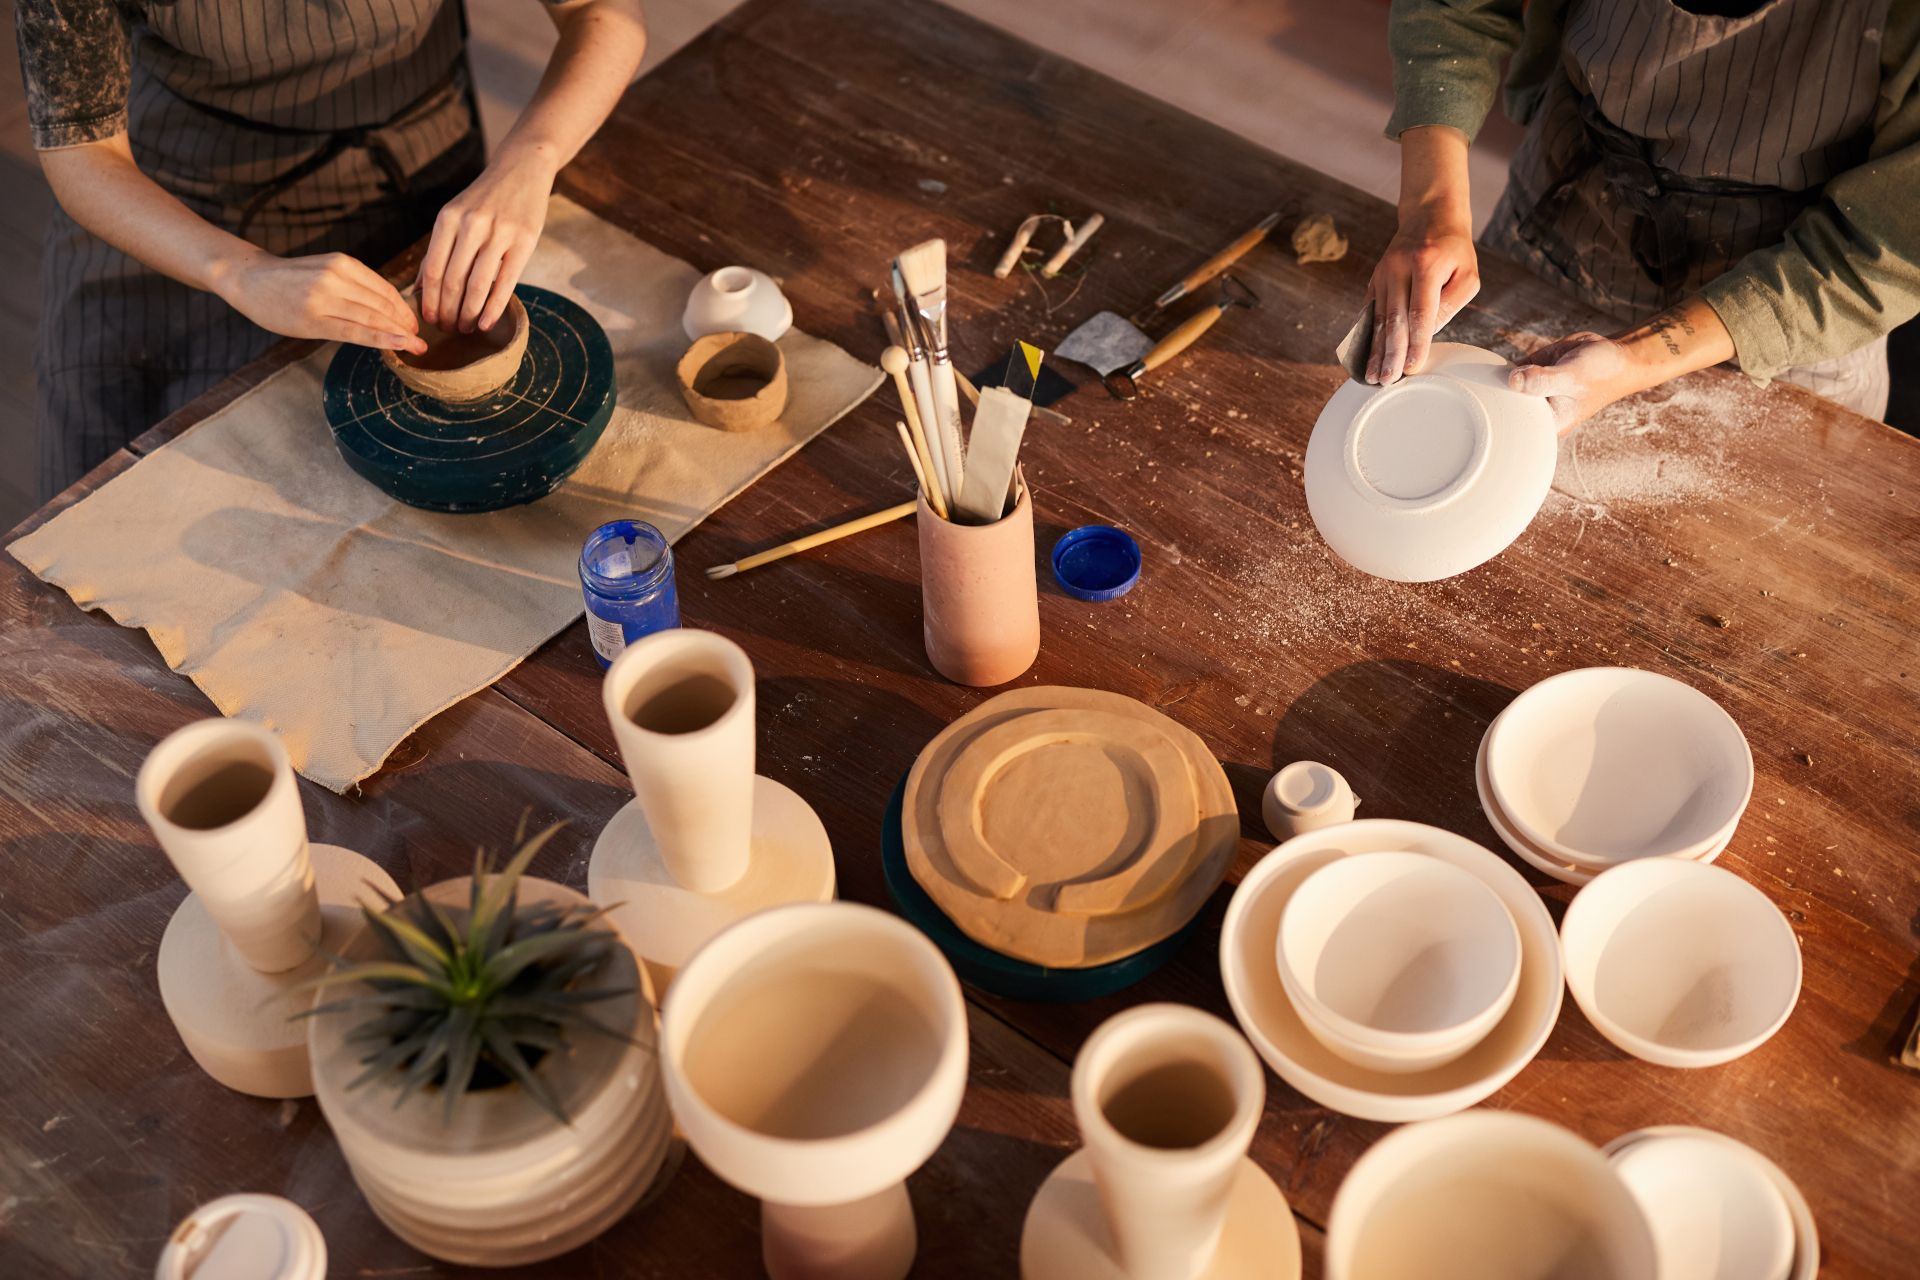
[1670,145]
[302,129]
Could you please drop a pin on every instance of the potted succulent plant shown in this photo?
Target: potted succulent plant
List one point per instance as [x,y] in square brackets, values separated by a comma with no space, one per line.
[484,1053]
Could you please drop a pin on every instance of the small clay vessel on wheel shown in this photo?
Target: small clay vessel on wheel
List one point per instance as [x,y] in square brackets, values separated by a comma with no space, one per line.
[457,367]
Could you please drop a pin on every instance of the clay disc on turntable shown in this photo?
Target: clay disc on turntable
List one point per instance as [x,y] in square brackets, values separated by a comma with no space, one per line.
[1068,827]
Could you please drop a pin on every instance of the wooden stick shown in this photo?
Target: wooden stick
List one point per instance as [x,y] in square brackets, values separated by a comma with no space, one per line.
[813,540]
[895,361]
[1073,245]
[920,466]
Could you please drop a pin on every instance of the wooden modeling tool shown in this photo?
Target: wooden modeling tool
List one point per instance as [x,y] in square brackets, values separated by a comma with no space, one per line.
[1123,384]
[896,362]
[1076,240]
[998,426]
[813,540]
[1218,263]
[921,273]
[919,465]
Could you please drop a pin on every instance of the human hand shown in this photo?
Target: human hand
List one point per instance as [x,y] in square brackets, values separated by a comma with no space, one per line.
[1422,281]
[328,295]
[481,242]
[1579,375]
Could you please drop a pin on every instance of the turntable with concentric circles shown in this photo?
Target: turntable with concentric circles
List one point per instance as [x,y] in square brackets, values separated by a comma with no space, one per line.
[512,446]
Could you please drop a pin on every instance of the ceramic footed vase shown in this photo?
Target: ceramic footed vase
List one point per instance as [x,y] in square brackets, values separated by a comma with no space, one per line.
[221,800]
[705,840]
[1167,1098]
[815,1055]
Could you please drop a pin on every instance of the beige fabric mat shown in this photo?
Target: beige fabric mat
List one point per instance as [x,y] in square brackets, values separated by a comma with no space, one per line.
[296,594]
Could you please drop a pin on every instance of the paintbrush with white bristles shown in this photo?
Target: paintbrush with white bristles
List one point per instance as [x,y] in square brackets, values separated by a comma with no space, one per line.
[923,274]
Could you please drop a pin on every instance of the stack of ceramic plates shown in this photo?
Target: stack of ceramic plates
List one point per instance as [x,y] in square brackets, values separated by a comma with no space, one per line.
[1593,768]
[1719,1209]
[1433,475]
[1250,968]
[1067,829]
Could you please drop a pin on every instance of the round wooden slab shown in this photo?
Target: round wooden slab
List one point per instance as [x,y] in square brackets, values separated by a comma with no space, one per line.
[1079,840]
[510,447]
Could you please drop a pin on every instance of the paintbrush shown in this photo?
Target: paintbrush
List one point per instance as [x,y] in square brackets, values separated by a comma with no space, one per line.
[906,334]
[923,278]
[812,540]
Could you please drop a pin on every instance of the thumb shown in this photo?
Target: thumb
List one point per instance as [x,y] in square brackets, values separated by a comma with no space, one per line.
[1545,380]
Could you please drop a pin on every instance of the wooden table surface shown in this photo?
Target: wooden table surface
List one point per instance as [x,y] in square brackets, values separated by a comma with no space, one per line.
[1761,545]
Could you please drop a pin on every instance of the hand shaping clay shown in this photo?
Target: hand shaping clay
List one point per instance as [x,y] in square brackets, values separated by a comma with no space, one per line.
[1068,827]
[457,367]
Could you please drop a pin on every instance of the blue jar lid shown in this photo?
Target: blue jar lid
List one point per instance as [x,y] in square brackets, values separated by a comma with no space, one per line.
[1096,562]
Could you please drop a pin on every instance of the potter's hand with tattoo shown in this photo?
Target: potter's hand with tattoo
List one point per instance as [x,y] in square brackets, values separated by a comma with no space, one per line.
[1429,270]
[482,240]
[330,296]
[1583,373]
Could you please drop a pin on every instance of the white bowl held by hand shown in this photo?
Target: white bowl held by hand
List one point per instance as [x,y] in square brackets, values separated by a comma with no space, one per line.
[1433,475]
[737,300]
[1680,963]
[1397,961]
[1607,764]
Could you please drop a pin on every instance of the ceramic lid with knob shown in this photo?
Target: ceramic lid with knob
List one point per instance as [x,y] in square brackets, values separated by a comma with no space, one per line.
[245,1237]
[1433,475]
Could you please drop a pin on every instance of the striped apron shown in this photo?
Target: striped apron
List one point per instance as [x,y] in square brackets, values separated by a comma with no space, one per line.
[309,128]
[1672,144]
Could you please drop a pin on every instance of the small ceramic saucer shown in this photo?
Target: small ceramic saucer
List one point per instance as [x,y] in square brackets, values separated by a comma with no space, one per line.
[665,923]
[1806,1236]
[1433,475]
[1066,1230]
[1250,933]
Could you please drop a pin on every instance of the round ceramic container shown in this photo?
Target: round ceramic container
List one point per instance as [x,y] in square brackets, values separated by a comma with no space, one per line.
[1607,764]
[1433,475]
[1655,1178]
[738,300]
[258,1237]
[1251,931]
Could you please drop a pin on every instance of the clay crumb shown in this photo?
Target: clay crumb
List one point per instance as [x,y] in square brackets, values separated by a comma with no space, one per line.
[1716,620]
[1804,757]
[1316,240]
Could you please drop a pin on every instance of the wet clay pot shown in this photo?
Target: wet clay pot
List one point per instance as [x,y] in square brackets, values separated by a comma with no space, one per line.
[734,381]
[457,367]
[979,600]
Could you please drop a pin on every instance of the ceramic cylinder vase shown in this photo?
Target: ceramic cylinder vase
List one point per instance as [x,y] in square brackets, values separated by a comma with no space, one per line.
[220,797]
[1167,1098]
[979,599]
[815,1055]
[681,705]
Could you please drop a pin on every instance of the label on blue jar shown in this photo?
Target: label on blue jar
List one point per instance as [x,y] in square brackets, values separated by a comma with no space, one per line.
[609,638]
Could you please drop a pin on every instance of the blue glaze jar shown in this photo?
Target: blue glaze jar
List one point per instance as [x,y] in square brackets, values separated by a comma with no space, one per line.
[626,571]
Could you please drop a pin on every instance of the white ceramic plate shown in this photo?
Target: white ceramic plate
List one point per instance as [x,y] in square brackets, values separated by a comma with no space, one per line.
[1433,475]
[1252,977]
[1806,1236]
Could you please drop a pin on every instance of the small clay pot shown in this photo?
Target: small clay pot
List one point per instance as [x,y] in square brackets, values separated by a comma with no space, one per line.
[457,367]
[734,381]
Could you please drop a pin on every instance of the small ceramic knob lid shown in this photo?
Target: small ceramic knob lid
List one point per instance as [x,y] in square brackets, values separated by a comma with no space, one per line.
[245,1237]
[1306,796]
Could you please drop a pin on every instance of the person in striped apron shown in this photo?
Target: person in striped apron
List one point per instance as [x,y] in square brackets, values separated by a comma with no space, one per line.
[226,170]
[1730,179]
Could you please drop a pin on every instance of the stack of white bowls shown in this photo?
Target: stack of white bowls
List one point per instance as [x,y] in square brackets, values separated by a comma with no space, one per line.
[1594,768]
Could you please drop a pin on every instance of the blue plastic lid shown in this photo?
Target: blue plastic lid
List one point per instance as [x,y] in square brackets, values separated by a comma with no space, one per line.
[1096,562]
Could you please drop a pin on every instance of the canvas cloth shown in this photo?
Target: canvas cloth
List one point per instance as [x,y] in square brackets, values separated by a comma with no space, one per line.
[296,594]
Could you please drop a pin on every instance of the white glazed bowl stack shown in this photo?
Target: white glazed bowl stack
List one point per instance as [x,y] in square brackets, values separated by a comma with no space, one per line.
[1719,1210]
[1598,767]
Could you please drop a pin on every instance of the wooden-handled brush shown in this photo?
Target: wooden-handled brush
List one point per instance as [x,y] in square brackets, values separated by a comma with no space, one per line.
[921,277]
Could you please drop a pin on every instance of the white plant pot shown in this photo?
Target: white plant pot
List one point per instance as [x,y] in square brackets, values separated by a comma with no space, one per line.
[815,1055]
[737,300]
[505,1184]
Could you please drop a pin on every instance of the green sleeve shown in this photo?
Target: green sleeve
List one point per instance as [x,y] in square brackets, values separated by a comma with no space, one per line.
[1848,269]
[1446,60]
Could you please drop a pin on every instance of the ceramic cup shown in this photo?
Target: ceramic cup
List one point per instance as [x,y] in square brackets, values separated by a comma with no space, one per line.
[979,597]
[815,1055]
[681,704]
[260,1237]
[458,367]
[1306,796]
[1167,1098]
[737,300]
[221,799]
[734,381]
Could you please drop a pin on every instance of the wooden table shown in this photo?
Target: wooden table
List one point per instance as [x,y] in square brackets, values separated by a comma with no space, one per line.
[1763,546]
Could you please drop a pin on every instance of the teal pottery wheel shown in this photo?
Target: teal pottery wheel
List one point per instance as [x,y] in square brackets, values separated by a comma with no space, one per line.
[510,447]
[988,970]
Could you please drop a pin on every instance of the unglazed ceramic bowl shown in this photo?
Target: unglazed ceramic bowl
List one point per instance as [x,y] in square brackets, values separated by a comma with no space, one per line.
[1397,961]
[734,381]
[1486,1196]
[1433,475]
[737,300]
[458,367]
[1251,932]
[1676,1171]
[1608,764]
[1679,963]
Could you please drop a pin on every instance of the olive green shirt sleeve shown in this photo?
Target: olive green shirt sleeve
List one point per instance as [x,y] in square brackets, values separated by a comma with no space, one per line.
[1446,60]
[1848,269]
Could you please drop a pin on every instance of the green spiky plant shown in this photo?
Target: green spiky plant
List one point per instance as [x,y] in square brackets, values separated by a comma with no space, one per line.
[469,1004]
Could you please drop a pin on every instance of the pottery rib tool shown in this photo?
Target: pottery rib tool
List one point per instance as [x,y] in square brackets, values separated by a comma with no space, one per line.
[1357,347]
[1104,343]
[1123,384]
[812,540]
[917,458]
[998,426]
[922,270]
[1218,263]
[896,362]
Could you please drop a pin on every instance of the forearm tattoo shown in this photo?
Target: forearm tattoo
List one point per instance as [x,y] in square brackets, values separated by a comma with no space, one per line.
[1666,325]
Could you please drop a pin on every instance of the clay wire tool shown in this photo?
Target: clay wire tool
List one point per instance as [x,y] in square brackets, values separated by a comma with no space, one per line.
[1123,385]
[905,334]
[896,362]
[1217,264]
[1073,242]
[923,269]
[812,540]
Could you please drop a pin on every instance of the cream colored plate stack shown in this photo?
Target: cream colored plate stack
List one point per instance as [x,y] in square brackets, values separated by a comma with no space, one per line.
[1068,827]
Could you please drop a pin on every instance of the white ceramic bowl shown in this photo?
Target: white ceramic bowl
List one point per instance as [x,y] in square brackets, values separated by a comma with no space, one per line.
[1531,854]
[1486,1196]
[1680,963]
[1398,961]
[1608,764]
[1251,932]
[737,300]
[1433,475]
[1679,1178]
